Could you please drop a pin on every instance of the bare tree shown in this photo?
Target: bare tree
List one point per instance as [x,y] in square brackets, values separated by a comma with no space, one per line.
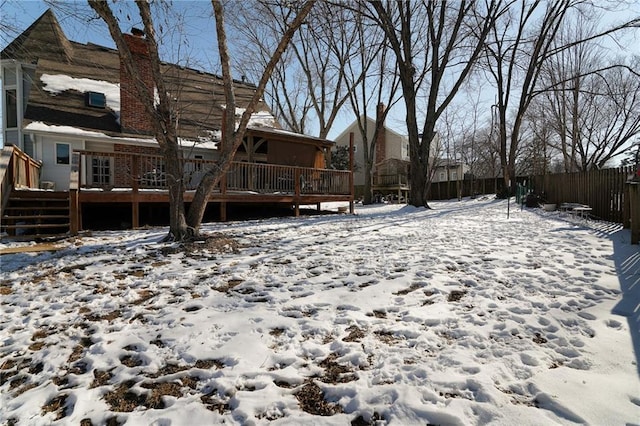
[184,226]
[596,116]
[311,83]
[566,73]
[436,43]
[520,46]
[612,119]
[287,91]
[8,29]
[372,78]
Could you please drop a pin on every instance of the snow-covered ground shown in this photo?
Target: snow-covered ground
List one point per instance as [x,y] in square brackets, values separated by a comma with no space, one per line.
[396,315]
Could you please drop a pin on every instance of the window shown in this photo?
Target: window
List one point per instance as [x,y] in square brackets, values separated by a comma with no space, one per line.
[95,99]
[11,107]
[27,144]
[442,176]
[63,153]
[198,164]
[454,175]
[10,77]
[100,171]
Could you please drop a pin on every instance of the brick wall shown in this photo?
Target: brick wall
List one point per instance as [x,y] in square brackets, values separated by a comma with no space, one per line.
[133,116]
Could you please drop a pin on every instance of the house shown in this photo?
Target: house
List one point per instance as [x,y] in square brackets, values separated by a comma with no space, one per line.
[449,171]
[390,173]
[391,156]
[64,99]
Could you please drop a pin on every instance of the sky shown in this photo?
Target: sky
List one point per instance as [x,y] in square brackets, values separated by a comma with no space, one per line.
[455,315]
[195,36]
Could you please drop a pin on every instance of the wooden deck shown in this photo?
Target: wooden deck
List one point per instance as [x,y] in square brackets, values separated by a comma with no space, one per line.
[102,183]
[135,179]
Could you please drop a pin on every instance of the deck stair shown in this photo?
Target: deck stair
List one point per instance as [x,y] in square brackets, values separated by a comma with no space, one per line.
[35,214]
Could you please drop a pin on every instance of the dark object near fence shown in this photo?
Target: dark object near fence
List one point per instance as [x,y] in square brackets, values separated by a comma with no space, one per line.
[503,193]
[532,200]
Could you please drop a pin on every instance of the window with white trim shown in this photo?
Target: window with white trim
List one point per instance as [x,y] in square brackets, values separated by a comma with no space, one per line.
[100,171]
[63,153]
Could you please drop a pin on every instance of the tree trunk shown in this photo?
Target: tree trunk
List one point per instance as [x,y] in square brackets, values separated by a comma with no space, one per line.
[233,134]
[178,229]
[368,196]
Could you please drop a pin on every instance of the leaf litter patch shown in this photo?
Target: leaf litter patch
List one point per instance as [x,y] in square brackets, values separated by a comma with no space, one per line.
[355,334]
[56,405]
[151,393]
[311,400]
[214,243]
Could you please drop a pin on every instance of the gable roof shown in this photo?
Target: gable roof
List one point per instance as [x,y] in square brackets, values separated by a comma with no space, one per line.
[43,37]
[197,96]
[353,127]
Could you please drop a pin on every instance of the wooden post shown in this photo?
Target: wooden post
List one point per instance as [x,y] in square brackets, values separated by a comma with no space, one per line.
[634,202]
[626,208]
[74,219]
[223,211]
[135,213]
[135,205]
[351,164]
[296,197]
[135,173]
[74,199]
[27,171]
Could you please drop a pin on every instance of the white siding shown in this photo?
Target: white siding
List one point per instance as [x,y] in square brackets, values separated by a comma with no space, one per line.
[57,173]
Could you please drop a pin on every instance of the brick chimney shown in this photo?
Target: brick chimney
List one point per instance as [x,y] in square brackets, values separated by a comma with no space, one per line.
[133,116]
[381,139]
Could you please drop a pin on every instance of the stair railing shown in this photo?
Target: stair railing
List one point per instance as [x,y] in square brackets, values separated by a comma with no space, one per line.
[17,170]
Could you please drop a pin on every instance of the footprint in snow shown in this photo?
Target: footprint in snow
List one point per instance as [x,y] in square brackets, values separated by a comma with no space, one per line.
[614,324]
[587,316]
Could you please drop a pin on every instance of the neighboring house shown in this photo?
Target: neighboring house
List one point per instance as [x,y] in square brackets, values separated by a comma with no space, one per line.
[391,157]
[390,173]
[449,170]
[63,98]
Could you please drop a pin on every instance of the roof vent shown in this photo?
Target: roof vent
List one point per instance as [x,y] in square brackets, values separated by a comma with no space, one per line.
[95,99]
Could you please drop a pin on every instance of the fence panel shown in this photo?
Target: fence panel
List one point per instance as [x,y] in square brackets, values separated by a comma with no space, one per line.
[603,190]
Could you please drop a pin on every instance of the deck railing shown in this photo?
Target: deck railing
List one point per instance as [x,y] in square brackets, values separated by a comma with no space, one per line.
[17,170]
[398,179]
[108,170]
[22,170]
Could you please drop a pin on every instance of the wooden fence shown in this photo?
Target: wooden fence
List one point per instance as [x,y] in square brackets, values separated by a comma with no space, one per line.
[464,188]
[605,191]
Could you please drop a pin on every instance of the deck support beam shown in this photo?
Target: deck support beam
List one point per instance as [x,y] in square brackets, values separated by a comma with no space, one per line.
[223,211]
[74,212]
[135,214]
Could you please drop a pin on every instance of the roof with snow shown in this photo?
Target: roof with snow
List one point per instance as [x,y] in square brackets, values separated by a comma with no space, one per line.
[66,71]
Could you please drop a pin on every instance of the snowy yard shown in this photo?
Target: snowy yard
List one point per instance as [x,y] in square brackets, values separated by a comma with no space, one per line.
[396,315]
